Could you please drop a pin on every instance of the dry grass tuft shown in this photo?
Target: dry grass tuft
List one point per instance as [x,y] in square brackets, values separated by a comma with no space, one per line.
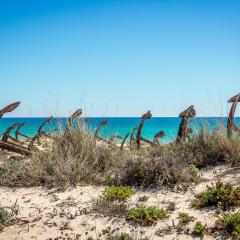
[76,157]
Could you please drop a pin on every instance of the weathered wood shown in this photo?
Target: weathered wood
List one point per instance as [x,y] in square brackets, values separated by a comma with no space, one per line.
[32,141]
[101,124]
[231,127]
[111,139]
[9,108]
[11,147]
[132,138]
[234,99]
[8,131]
[15,140]
[158,135]
[183,127]
[124,140]
[45,122]
[75,115]
[18,133]
[145,116]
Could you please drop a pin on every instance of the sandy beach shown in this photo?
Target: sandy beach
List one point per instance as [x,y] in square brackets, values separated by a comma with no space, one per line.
[50,214]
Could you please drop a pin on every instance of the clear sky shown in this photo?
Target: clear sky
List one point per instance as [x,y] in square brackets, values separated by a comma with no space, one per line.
[119,57]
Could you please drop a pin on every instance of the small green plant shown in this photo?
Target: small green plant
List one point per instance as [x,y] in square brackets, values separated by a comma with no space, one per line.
[146,215]
[230,223]
[199,229]
[6,214]
[222,196]
[124,236]
[143,198]
[184,218]
[118,193]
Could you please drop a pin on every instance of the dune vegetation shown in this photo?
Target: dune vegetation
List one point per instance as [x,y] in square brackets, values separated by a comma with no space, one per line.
[75,157]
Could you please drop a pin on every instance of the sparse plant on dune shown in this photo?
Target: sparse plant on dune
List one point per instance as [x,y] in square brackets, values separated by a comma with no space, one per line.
[6,214]
[229,223]
[78,158]
[199,229]
[118,193]
[146,215]
[221,195]
[184,218]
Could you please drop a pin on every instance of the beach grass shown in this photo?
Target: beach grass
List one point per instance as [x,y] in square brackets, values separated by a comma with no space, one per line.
[76,157]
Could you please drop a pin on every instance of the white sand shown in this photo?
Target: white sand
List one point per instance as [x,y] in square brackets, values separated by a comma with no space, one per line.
[49,214]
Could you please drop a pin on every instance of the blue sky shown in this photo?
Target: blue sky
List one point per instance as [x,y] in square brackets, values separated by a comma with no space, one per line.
[119,57]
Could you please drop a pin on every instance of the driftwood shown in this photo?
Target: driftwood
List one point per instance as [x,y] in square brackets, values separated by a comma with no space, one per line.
[101,124]
[158,135]
[9,108]
[183,128]
[76,114]
[70,120]
[132,139]
[8,131]
[18,133]
[12,147]
[124,140]
[44,123]
[145,116]
[15,148]
[32,141]
[231,127]
[111,139]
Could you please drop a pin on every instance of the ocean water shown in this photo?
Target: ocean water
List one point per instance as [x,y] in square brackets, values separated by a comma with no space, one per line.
[120,125]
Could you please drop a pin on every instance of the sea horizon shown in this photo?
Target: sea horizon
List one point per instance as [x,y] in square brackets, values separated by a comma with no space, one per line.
[118,125]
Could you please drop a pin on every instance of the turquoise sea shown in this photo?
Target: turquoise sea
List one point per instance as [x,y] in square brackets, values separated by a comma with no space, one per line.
[120,125]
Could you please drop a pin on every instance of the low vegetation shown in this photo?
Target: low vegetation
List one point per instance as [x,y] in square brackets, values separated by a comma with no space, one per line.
[229,223]
[221,195]
[199,229]
[118,193]
[184,218]
[146,215]
[6,214]
[80,159]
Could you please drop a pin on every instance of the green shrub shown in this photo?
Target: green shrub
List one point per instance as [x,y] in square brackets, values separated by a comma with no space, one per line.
[222,196]
[118,193]
[199,229]
[184,218]
[146,215]
[230,223]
